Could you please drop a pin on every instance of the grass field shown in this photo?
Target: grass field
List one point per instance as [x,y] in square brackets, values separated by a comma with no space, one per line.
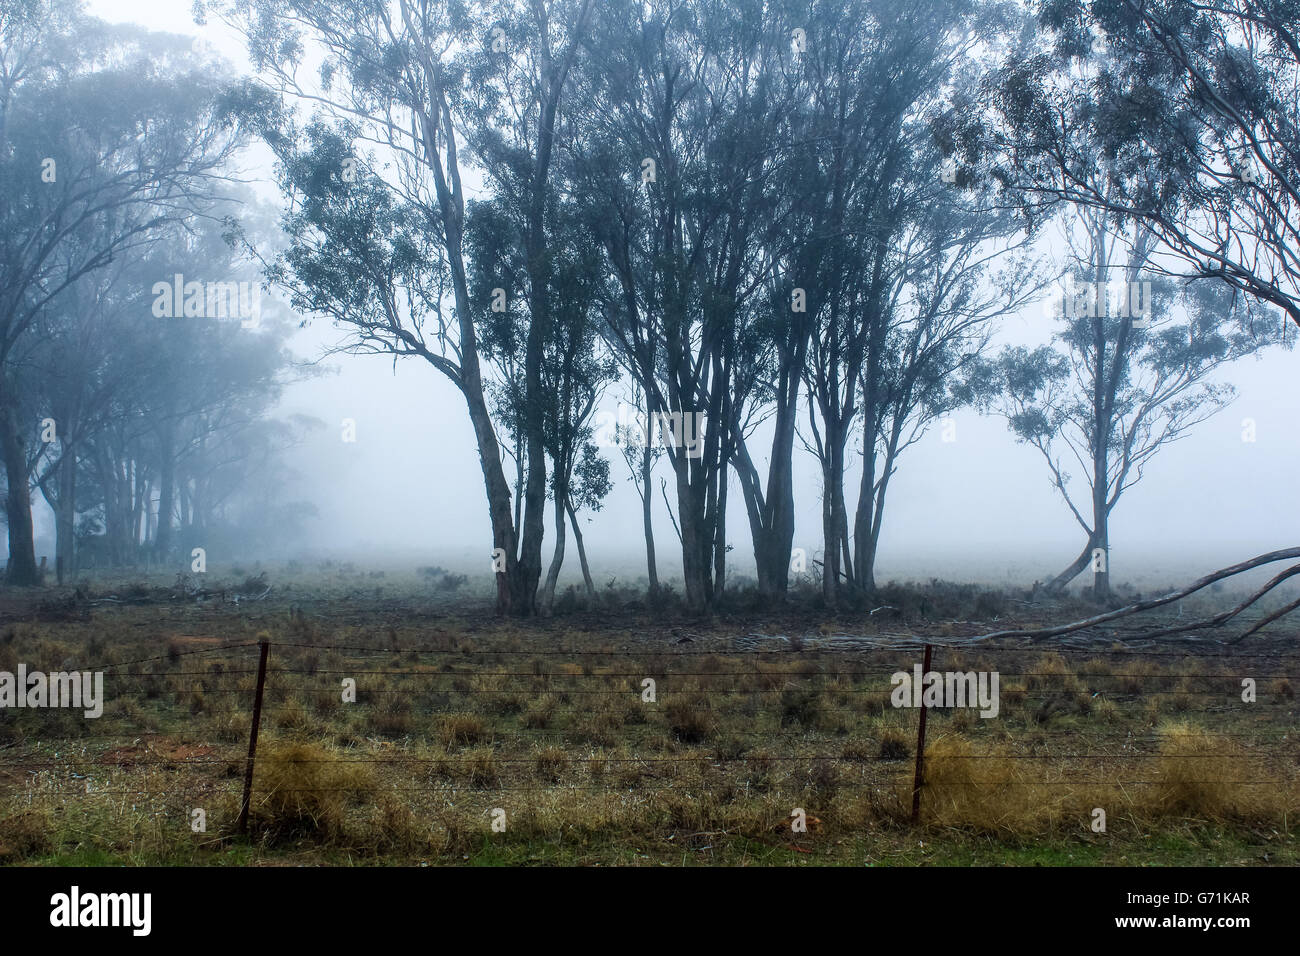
[474,740]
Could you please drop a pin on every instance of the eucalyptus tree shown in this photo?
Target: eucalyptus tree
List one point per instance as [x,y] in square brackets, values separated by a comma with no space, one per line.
[640,454]
[514,99]
[150,359]
[401,90]
[1130,369]
[575,364]
[75,386]
[1167,132]
[105,133]
[964,265]
[1177,114]
[886,76]
[672,159]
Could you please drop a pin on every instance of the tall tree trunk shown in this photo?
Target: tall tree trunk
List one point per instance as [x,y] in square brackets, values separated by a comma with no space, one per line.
[871,506]
[187,509]
[65,531]
[139,517]
[108,483]
[697,539]
[127,527]
[863,546]
[842,514]
[198,507]
[830,524]
[771,516]
[780,497]
[22,571]
[511,598]
[537,265]
[836,562]
[498,495]
[1104,385]
[519,482]
[720,531]
[166,490]
[647,515]
[771,533]
[524,585]
[1100,543]
[150,523]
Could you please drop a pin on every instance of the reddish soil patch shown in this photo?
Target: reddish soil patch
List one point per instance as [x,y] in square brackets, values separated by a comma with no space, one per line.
[174,751]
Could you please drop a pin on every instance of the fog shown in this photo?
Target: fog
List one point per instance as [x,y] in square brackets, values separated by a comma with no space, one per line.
[971,509]
[981,507]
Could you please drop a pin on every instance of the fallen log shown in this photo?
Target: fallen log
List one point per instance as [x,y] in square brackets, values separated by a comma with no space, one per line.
[1039,634]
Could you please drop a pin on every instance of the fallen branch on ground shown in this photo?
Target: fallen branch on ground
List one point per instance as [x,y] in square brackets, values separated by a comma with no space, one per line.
[1272,556]
[896,641]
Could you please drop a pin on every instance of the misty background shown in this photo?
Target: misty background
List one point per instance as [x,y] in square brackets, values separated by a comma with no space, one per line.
[981,507]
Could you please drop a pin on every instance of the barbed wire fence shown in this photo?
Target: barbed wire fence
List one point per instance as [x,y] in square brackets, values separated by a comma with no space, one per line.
[187,730]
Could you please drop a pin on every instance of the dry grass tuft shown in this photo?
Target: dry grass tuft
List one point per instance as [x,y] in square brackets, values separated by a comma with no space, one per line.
[690,718]
[462,730]
[894,745]
[983,790]
[1200,773]
[300,790]
[25,834]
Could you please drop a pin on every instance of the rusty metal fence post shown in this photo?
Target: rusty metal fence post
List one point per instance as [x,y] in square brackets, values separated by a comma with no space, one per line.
[918,778]
[252,739]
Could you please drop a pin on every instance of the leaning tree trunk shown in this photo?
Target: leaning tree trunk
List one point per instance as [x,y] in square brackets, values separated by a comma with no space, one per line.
[511,597]
[1058,583]
[582,551]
